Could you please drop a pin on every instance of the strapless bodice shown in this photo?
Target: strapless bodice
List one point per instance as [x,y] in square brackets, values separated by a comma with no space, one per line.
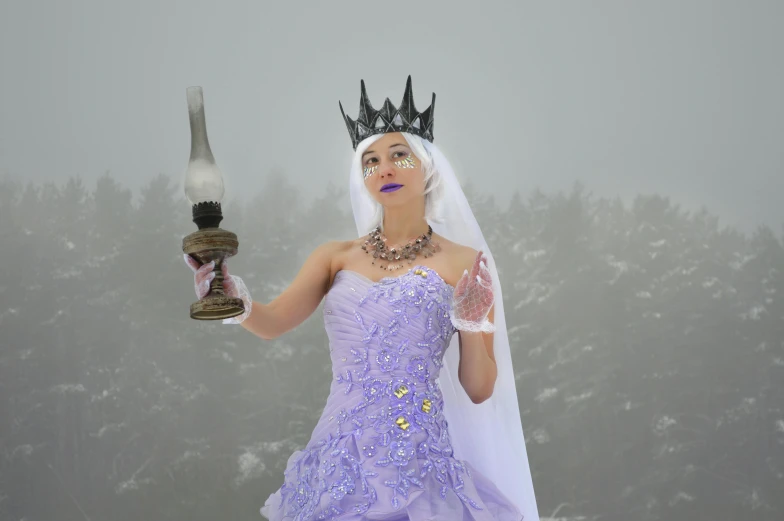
[397,327]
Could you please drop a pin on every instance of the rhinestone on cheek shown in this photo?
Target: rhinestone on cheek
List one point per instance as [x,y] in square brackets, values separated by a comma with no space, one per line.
[406,162]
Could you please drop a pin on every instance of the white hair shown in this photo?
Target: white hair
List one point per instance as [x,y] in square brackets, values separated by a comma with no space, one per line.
[434,189]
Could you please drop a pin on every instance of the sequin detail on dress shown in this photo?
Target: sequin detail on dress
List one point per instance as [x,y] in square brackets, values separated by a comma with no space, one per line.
[382,440]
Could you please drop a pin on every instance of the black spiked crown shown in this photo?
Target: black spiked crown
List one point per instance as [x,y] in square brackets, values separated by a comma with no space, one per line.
[390,119]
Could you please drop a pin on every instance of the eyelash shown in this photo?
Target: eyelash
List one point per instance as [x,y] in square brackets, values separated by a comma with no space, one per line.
[402,154]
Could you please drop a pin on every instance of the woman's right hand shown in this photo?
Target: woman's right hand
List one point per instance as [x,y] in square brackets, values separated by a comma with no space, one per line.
[233,286]
[202,275]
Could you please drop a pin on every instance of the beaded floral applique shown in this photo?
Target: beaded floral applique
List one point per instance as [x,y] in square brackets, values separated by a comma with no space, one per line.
[398,420]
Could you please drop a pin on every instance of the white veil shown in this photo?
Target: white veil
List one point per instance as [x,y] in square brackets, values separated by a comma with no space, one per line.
[488,435]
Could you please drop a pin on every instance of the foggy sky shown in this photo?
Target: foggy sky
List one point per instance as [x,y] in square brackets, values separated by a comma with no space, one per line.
[682,98]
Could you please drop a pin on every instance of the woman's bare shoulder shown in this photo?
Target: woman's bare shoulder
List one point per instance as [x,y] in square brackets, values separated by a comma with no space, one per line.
[340,250]
[454,249]
[458,258]
[340,247]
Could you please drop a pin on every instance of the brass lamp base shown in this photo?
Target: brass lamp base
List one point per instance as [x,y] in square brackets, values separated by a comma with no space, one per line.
[205,245]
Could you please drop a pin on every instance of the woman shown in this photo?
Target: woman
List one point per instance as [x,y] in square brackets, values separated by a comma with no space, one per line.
[400,438]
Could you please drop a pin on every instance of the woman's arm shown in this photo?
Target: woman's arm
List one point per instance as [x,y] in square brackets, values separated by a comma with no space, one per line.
[298,301]
[477,370]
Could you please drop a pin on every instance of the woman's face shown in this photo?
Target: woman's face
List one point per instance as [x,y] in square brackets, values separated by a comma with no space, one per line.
[389,163]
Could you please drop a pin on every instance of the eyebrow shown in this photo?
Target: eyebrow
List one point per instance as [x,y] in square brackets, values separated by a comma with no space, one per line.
[390,146]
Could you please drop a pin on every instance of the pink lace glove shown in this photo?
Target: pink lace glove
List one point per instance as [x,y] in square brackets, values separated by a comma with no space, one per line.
[472,299]
[233,285]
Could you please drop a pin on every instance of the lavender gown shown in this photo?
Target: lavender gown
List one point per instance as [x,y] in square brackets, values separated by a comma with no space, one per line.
[381,449]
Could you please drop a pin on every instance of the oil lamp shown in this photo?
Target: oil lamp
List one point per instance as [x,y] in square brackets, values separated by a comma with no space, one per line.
[204,190]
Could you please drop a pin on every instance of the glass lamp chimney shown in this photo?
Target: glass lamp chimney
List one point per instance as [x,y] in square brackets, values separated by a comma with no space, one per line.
[203,179]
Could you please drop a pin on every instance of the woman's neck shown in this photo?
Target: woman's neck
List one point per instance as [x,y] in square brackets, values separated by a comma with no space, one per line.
[401,226]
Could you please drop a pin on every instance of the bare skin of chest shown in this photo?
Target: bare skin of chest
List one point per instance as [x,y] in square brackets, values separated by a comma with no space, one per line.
[448,263]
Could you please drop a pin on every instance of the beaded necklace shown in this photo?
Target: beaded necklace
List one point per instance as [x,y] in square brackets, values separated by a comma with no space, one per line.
[375,244]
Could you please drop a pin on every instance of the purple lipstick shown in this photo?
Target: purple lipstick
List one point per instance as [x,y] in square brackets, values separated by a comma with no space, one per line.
[391,187]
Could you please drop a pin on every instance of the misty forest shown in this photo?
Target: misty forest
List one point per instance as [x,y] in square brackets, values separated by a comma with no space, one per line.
[648,344]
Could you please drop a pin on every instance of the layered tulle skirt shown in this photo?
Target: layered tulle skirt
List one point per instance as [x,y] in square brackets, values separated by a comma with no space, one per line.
[360,475]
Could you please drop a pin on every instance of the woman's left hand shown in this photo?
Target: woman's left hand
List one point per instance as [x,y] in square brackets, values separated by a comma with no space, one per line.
[473,297]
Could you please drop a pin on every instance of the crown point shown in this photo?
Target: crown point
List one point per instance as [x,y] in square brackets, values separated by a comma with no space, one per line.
[407,108]
[408,93]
